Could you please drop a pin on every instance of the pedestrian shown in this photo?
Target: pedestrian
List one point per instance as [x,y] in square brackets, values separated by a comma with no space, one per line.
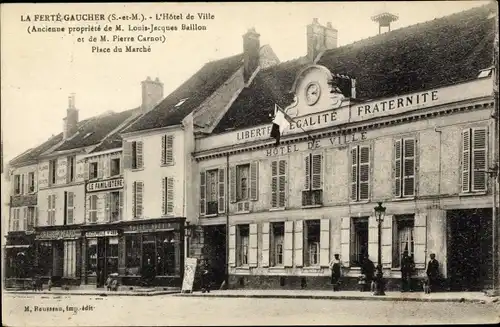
[407,267]
[335,267]
[432,272]
[205,277]
[368,270]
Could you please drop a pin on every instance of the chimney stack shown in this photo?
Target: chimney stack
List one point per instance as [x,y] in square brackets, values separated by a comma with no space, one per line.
[152,93]
[70,122]
[320,38]
[251,52]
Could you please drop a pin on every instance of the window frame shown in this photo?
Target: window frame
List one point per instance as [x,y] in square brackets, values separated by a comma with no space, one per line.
[356,162]
[31,182]
[312,242]
[51,210]
[17,184]
[91,164]
[239,191]
[52,172]
[243,245]
[472,171]
[398,221]
[92,210]
[111,160]
[356,254]
[277,230]
[71,169]
[313,196]
[279,178]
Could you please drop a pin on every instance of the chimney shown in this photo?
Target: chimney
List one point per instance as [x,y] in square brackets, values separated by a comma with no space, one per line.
[70,123]
[320,38]
[152,93]
[251,50]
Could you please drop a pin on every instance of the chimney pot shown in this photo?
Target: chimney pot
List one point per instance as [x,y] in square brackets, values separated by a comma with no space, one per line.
[152,93]
[70,122]
[251,52]
[329,25]
[315,21]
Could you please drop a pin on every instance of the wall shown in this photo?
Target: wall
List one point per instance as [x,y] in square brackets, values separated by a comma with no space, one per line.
[23,171]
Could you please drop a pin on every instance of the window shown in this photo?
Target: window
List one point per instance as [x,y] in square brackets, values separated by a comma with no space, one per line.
[312,235]
[244,185]
[360,173]
[115,206]
[168,195]
[243,239]
[277,250]
[168,253]
[403,227]
[15,219]
[181,101]
[474,159]
[313,193]
[133,253]
[115,167]
[92,257]
[45,258]
[137,155]
[93,170]
[404,167]
[31,223]
[69,265]
[278,183]
[17,184]
[242,175]
[212,191]
[92,208]
[167,150]
[51,210]
[70,207]
[31,182]
[52,171]
[138,188]
[112,255]
[359,240]
[71,169]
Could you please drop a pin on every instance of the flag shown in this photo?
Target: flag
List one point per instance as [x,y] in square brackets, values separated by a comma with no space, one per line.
[280,121]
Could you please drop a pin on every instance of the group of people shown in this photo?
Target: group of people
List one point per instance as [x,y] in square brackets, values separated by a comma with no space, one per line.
[407,269]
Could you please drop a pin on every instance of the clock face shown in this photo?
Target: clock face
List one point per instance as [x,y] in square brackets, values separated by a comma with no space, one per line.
[312,93]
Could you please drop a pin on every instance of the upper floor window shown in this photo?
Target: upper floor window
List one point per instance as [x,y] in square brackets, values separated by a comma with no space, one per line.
[244,184]
[15,219]
[168,195]
[137,155]
[137,199]
[70,208]
[31,182]
[212,191]
[115,206]
[278,183]
[242,187]
[71,172]
[360,172]
[474,159]
[115,167]
[404,167]
[167,150]
[31,218]
[93,170]
[17,185]
[51,210]
[92,210]
[313,186]
[52,171]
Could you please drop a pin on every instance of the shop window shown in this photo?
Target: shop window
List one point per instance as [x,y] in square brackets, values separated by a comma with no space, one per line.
[168,254]
[112,255]
[403,227]
[312,194]
[71,162]
[52,171]
[31,182]
[92,257]
[243,240]
[45,261]
[133,253]
[92,209]
[17,184]
[359,240]
[69,259]
[311,241]
[93,170]
[115,167]
[278,235]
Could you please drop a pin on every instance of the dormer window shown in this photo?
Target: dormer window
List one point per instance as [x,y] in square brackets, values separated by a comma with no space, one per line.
[88,134]
[485,73]
[181,101]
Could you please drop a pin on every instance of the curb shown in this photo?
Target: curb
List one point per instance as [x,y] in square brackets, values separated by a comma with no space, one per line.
[331,297]
[103,294]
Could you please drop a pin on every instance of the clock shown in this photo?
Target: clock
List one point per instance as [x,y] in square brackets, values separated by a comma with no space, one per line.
[313,92]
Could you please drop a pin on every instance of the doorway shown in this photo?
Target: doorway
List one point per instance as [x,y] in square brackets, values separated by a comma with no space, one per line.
[215,251]
[469,249]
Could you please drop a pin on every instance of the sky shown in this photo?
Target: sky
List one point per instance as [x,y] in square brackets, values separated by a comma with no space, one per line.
[39,70]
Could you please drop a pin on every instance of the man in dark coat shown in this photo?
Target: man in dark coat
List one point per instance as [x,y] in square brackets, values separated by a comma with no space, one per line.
[407,267]
[368,269]
[335,266]
[433,272]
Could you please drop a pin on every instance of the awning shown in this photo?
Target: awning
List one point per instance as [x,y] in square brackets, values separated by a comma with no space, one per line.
[17,246]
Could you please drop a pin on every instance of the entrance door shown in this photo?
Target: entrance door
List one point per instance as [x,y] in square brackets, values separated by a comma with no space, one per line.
[215,247]
[101,262]
[469,241]
[148,271]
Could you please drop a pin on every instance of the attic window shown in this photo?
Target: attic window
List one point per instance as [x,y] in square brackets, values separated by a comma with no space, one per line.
[181,102]
[88,134]
[485,73]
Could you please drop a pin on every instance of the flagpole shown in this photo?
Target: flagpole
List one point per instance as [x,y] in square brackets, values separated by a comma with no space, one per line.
[290,118]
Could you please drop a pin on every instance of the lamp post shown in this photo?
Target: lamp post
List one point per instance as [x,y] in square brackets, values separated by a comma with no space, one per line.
[379,215]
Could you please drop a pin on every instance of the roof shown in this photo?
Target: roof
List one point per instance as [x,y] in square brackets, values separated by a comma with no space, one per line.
[96,129]
[113,141]
[31,155]
[437,53]
[196,90]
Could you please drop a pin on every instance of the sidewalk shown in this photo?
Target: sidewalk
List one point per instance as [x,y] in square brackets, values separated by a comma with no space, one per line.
[471,297]
[92,290]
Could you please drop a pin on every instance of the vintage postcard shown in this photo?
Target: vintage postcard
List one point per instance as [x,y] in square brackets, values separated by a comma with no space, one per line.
[250,163]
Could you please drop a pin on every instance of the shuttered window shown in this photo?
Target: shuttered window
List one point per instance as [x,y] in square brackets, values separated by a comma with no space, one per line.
[278,183]
[404,167]
[474,159]
[137,155]
[93,208]
[167,150]
[213,191]
[202,193]
[51,210]
[244,185]
[360,173]
[15,219]
[168,195]
[313,193]
[138,190]
[70,207]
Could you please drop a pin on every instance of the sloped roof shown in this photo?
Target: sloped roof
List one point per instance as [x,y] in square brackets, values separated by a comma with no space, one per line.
[31,155]
[113,141]
[96,129]
[436,53]
[196,89]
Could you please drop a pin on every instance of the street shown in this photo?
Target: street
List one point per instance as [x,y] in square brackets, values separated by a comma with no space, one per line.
[32,310]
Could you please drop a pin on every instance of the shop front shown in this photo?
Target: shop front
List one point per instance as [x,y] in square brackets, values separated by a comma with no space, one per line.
[58,255]
[101,255]
[19,257]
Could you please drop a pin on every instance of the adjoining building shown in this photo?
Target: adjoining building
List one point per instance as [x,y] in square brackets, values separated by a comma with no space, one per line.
[412,128]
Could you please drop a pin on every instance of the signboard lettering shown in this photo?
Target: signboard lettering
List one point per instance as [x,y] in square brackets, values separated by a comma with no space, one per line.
[102,233]
[104,185]
[397,103]
[58,234]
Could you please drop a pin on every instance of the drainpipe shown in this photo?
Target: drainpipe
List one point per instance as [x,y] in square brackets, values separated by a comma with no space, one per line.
[437,130]
[227,221]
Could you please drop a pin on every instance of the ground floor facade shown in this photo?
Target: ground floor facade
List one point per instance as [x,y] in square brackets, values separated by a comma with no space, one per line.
[19,255]
[292,249]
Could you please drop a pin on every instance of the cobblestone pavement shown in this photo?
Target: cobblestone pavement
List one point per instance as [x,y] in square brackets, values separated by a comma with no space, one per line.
[43,310]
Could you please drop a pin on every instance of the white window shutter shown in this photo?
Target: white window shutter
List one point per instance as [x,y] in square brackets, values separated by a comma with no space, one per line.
[127,155]
[107,211]
[299,243]
[265,244]
[373,238]
[140,195]
[317,171]
[232,246]
[134,202]
[202,193]
[479,159]
[254,180]
[345,242]
[87,205]
[282,183]
[100,169]
[121,205]
[232,181]
[139,154]
[354,173]
[307,171]
[25,218]
[222,191]
[466,160]
[71,207]
[164,195]
[86,170]
[170,149]
[396,169]
[274,184]
[409,153]
[419,233]
[387,241]
[288,244]
[253,244]
[324,243]
[364,172]
[163,149]
[170,196]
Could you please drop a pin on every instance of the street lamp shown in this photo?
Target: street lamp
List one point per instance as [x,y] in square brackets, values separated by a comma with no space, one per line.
[379,282]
